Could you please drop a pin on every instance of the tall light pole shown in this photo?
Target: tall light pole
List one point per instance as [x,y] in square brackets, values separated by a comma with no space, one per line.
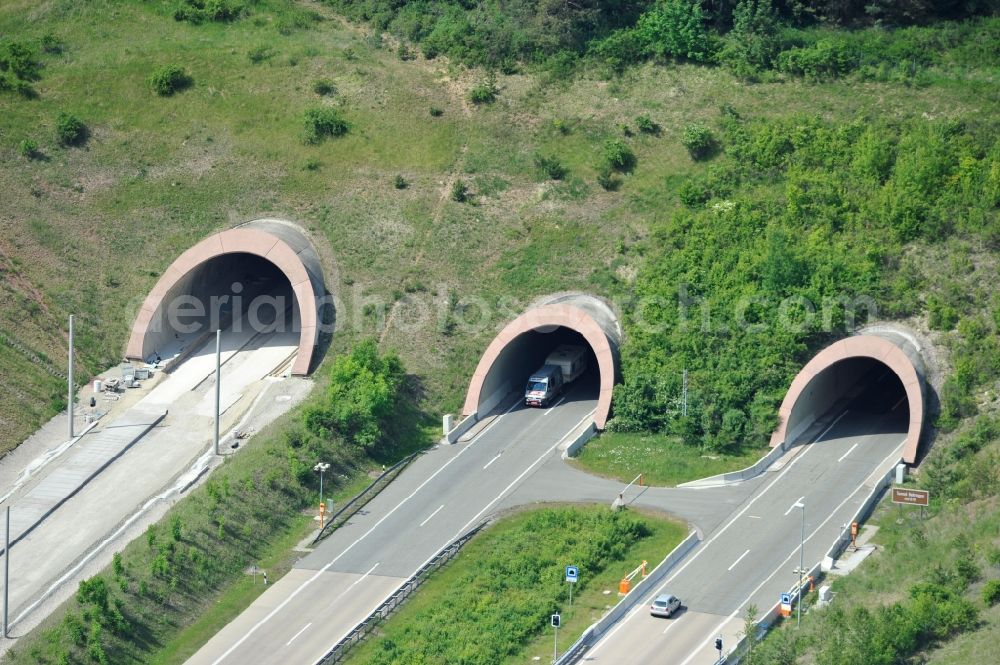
[321,467]
[802,544]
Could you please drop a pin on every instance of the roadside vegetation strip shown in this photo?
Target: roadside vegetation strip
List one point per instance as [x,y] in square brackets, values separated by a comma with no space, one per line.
[939,607]
[492,603]
[250,508]
[663,460]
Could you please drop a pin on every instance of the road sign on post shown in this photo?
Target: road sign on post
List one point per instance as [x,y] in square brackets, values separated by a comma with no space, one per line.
[786,604]
[555,620]
[572,575]
[905,495]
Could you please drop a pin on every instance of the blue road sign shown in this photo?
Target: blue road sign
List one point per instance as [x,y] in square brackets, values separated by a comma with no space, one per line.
[572,573]
[786,599]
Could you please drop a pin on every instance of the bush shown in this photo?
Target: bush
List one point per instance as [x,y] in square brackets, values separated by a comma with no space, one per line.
[399,182]
[323,87]
[484,92]
[753,41]
[550,167]
[322,123]
[675,29]
[827,58]
[460,192]
[363,395]
[28,148]
[169,79]
[698,140]
[70,130]
[200,11]
[991,593]
[646,125]
[436,112]
[619,156]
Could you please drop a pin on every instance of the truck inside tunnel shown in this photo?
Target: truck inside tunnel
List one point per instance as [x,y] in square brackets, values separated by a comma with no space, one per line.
[525,354]
[230,290]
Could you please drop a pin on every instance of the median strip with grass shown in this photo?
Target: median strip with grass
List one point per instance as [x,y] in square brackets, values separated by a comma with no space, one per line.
[662,459]
[492,603]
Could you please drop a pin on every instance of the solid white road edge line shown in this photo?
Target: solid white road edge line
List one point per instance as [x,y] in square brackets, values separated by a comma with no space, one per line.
[670,579]
[327,567]
[847,453]
[738,560]
[781,565]
[590,414]
[432,515]
[289,642]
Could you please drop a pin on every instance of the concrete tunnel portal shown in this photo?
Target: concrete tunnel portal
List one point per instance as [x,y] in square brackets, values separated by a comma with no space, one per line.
[881,374]
[264,274]
[522,345]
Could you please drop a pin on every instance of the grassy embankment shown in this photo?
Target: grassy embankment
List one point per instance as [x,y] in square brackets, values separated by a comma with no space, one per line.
[155,174]
[493,602]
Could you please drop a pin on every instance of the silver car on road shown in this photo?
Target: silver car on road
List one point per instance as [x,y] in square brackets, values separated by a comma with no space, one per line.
[665,605]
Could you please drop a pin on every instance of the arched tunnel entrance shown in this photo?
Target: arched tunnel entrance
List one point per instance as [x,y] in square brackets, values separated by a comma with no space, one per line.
[264,276]
[877,377]
[523,345]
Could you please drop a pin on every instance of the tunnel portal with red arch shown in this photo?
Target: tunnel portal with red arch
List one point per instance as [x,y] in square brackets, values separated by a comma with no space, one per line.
[851,367]
[265,257]
[523,344]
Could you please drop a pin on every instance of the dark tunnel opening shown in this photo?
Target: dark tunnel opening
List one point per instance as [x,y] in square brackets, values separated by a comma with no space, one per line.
[865,387]
[238,290]
[525,354]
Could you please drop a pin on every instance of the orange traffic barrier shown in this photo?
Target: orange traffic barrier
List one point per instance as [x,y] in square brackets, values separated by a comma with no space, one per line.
[624,586]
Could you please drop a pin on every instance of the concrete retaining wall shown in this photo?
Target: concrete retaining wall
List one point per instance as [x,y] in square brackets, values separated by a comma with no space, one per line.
[751,471]
[589,637]
[461,428]
[586,435]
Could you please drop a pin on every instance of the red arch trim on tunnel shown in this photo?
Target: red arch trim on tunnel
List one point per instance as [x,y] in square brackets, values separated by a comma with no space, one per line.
[236,241]
[861,346]
[560,315]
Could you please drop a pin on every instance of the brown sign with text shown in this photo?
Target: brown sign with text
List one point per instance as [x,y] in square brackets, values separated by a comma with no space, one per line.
[910,497]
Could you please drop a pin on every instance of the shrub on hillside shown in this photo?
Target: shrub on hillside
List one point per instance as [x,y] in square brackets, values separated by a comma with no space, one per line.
[362,396]
[201,11]
[991,593]
[459,192]
[675,29]
[698,140]
[826,59]
[169,79]
[754,40]
[619,156]
[485,92]
[322,123]
[323,87]
[550,167]
[70,130]
[28,148]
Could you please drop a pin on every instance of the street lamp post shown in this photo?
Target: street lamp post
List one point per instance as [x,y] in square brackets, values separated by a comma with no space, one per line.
[321,467]
[802,543]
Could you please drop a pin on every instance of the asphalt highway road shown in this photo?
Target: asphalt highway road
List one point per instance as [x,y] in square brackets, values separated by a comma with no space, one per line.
[444,493]
[752,555]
